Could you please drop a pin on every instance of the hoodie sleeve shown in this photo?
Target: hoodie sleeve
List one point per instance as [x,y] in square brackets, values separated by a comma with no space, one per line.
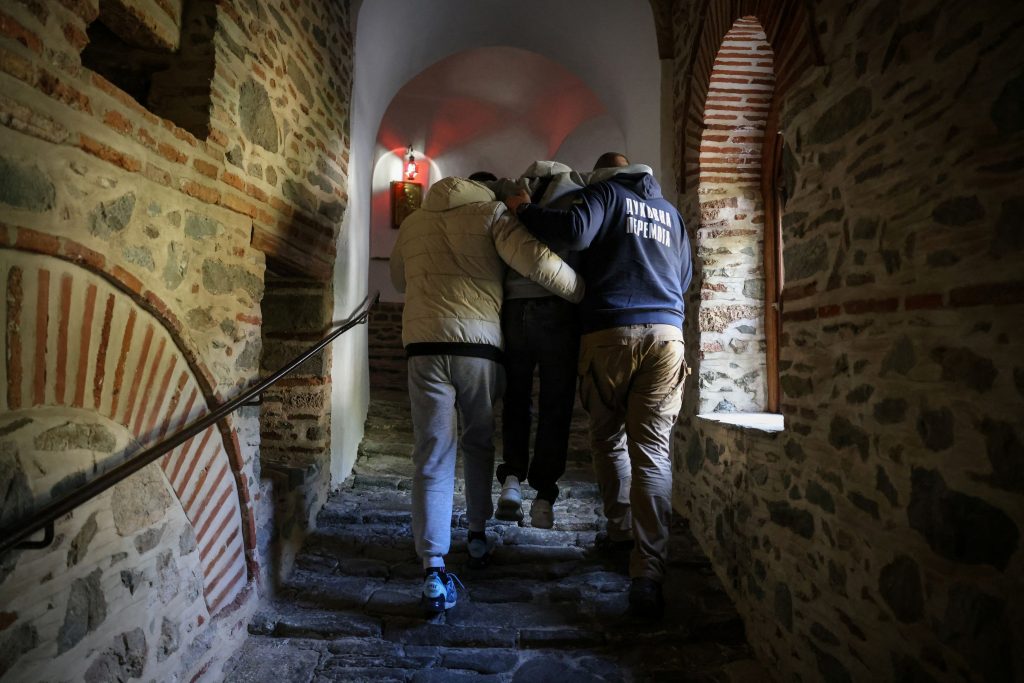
[529,257]
[573,228]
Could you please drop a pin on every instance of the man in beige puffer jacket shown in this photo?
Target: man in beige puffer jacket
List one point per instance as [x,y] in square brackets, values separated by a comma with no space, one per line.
[450,260]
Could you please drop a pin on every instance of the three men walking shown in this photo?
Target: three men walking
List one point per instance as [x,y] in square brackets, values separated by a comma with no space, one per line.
[634,257]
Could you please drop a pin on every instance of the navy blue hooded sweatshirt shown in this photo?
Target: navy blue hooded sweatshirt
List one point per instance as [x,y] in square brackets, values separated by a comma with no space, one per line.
[635,252]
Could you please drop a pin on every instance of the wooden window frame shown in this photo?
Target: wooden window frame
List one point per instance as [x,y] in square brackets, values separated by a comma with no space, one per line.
[773,193]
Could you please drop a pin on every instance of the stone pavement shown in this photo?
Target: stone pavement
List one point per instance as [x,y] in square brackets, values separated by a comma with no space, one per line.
[548,608]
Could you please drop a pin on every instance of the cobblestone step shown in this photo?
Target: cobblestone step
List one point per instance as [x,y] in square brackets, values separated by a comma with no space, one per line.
[294,660]
[549,607]
[389,610]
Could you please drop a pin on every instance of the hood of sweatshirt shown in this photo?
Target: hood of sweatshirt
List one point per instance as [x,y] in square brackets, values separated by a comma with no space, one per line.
[643,184]
[606,173]
[541,169]
[451,193]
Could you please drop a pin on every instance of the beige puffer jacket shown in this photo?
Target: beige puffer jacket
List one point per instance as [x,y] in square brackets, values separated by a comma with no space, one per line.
[450,262]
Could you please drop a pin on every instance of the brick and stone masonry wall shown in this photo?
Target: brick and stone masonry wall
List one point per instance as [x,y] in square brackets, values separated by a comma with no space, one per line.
[134,252]
[388,368]
[79,398]
[728,175]
[878,536]
[284,76]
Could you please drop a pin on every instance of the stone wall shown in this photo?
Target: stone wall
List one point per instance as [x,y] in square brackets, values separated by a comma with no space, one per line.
[878,536]
[129,216]
[295,412]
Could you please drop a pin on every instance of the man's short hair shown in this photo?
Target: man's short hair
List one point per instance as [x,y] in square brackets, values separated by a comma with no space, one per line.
[483,176]
[611,160]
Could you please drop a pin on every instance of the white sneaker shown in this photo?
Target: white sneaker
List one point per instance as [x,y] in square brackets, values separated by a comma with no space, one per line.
[510,502]
[479,552]
[541,514]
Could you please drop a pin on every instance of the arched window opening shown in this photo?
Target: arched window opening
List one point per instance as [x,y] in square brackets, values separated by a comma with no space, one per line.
[739,290]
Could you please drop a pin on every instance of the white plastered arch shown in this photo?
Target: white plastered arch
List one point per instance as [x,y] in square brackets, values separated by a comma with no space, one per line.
[611,45]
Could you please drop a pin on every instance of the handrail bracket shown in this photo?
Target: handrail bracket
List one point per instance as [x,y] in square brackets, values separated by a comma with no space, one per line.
[44,542]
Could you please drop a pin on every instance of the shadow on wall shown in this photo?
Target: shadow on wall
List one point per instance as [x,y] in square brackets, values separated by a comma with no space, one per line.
[171,80]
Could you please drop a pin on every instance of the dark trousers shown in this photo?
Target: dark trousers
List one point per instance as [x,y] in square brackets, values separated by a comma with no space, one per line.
[539,333]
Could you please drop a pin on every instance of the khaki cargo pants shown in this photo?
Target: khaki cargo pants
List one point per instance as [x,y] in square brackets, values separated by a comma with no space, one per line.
[631,381]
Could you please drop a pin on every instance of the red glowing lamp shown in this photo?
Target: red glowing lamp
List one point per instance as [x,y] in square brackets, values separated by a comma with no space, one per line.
[410,165]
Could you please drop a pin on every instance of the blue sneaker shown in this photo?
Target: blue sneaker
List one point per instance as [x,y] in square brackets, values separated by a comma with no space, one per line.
[439,592]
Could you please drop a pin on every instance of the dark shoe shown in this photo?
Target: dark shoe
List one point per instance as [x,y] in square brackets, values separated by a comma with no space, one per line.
[645,599]
[606,546]
[479,552]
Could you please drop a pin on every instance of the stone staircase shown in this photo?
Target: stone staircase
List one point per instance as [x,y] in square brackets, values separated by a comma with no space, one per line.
[548,608]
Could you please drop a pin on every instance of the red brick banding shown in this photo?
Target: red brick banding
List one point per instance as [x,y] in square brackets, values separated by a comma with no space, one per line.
[206,168]
[75,36]
[17,66]
[12,28]
[871,305]
[14,303]
[129,332]
[787,27]
[42,316]
[203,193]
[132,409]
[56,88]
[922,301]
[995,293]
[117,121]
[101,351]
[62,338]
[165,383]
[106,153]
[171,153]
[139,407]
[85,336]
[802,315]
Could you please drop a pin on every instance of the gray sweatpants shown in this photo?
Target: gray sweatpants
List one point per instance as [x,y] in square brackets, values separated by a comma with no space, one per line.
[438,387]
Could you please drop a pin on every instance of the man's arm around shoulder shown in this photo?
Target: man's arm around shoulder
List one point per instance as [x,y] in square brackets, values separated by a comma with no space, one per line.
[573,228]
[531,258]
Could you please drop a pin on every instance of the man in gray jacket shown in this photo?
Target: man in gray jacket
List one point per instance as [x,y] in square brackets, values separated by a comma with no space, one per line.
[541,333]
[450,260]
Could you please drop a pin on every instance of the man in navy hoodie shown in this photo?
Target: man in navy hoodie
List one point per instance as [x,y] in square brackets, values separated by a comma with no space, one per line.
[635,259]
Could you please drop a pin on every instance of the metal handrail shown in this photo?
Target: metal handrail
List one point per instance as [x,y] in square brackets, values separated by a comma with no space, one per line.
[15,534]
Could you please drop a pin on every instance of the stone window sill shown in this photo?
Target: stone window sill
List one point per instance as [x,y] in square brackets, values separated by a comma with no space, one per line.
[765,422]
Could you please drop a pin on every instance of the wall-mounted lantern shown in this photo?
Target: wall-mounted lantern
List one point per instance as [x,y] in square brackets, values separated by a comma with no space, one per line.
[406,194]
[410,165]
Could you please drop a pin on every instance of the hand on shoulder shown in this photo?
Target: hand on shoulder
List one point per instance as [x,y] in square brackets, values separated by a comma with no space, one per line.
[514,201]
